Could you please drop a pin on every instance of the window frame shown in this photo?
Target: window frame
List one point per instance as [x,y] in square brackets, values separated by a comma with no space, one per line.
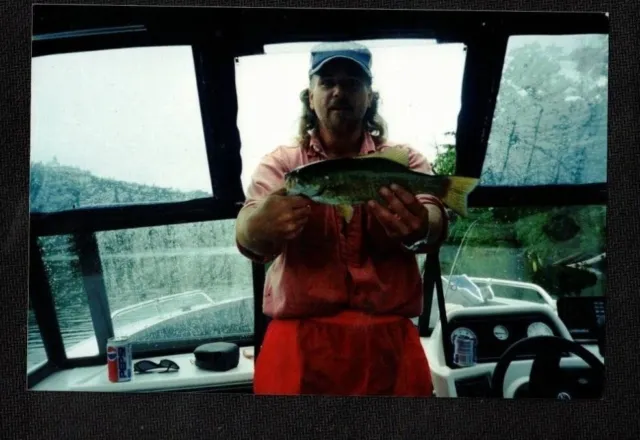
[219,35]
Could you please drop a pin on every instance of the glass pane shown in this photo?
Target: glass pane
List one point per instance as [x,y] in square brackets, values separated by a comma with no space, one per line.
[420,103]
[91,110]
[550,122]
[177,282]
[65,281]
[506,255]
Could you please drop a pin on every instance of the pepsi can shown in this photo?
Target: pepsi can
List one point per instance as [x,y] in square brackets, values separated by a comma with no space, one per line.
[119,360]
[464,354]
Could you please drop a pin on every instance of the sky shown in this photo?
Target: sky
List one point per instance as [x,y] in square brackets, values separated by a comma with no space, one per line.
[133,114]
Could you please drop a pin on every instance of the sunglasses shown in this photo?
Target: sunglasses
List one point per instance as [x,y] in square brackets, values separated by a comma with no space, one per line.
[165,366]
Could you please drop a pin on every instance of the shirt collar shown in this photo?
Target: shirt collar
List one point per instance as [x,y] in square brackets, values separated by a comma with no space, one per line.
[316,148]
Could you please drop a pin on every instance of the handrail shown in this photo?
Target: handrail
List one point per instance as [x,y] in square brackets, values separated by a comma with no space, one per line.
[160,300]
[502,282]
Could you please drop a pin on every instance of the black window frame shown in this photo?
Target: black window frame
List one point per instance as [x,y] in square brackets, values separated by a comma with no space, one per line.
[219,35]
[215,76]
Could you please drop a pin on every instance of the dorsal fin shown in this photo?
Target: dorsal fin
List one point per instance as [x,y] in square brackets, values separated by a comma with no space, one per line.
[394,154]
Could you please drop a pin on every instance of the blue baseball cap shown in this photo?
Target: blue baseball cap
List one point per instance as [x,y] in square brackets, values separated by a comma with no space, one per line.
[322,53]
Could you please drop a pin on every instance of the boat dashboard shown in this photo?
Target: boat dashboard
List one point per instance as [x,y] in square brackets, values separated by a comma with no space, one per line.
[495,333]
[496,328]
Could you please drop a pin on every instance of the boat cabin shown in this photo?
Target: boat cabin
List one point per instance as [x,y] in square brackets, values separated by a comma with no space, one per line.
[148,122]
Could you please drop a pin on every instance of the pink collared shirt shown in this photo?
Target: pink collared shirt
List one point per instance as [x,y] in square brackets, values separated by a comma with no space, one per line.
[330,267]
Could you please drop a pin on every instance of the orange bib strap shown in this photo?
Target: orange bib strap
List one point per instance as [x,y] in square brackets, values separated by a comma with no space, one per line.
[348,354]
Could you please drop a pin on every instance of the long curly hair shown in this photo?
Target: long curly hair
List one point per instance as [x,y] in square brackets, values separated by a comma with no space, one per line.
[373,122]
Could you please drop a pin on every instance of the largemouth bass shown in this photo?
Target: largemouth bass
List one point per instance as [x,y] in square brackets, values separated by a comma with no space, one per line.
[352,181]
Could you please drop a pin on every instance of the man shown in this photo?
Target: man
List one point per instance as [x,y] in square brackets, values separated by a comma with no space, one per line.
[340,294]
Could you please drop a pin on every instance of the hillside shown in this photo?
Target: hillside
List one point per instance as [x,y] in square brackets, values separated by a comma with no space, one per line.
[57,187]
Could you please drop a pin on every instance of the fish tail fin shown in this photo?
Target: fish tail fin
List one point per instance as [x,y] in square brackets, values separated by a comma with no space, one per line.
[457,193]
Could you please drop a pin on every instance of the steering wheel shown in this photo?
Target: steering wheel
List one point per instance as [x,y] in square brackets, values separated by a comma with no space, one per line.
[545,379]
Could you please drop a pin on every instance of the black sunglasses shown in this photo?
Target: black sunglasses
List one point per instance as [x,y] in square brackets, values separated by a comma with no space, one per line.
[146,366]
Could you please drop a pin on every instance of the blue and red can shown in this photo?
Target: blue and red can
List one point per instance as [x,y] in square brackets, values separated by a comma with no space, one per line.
[465,354]
[119,360]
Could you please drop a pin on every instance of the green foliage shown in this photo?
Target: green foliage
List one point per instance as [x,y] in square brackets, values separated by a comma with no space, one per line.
[445,161]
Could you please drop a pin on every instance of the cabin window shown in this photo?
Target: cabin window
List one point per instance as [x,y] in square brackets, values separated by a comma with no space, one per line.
[164,272]
[198,261]
[419,81]
[549,127]
[116,127]
[123,127]
[550,122]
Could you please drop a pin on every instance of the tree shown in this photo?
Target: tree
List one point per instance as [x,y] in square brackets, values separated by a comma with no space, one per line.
[550,119]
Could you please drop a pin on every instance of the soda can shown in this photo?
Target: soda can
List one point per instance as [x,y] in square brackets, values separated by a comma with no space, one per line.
[464,354]
[119,360]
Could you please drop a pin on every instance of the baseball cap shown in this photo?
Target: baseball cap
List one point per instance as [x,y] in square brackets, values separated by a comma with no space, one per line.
[322,53]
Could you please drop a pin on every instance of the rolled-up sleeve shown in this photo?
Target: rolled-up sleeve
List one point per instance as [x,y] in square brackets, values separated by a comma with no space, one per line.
[267,178]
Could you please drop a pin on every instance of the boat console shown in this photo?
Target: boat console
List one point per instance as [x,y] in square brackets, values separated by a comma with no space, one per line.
[516,338]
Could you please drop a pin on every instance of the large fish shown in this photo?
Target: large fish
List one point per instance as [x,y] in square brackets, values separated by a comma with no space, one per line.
[353,181]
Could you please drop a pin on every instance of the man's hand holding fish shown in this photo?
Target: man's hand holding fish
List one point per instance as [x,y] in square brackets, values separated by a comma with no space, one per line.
[277,219]
[405,218]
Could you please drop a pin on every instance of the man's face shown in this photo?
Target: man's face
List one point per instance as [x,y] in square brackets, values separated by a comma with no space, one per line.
[340,96]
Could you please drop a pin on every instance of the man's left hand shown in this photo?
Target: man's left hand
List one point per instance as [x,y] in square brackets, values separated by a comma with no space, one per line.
[404,218]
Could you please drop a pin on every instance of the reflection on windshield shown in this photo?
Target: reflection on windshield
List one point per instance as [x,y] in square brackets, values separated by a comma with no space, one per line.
[160,307]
